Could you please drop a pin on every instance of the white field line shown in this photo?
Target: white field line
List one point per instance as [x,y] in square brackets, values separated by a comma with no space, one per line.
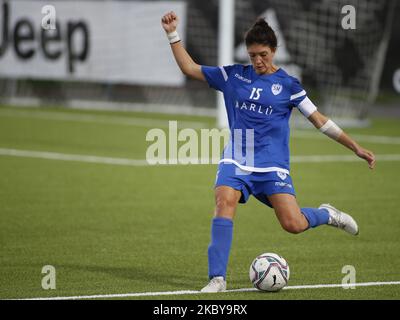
[190,292]
[71,157]
[103,119]
[340,158]
[143,162]
[358,137]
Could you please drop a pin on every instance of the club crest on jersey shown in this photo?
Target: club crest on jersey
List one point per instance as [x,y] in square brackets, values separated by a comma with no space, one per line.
[281,175]
[276,88]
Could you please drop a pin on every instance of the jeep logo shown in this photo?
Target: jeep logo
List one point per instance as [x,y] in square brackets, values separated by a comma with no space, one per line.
[26,41]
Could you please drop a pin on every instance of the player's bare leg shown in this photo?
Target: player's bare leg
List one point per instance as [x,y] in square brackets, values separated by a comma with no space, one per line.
[226,201]
[295,219]
[288,212]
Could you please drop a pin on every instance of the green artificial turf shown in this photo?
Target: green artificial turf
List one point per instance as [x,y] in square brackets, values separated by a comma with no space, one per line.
[112,229]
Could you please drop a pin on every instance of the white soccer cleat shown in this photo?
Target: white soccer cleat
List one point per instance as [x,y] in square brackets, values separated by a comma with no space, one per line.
[216,284]
[340,219]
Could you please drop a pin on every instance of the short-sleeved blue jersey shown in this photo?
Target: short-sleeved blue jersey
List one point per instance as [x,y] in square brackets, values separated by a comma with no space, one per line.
[263,103]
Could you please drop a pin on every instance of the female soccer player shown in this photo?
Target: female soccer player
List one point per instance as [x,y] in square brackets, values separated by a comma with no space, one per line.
[259,97]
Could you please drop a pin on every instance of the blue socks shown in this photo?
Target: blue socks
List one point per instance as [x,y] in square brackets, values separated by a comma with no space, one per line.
[221,239]
[218,250]
[315,217]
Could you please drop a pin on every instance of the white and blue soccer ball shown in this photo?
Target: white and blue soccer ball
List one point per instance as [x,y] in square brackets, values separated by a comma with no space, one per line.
[269,272]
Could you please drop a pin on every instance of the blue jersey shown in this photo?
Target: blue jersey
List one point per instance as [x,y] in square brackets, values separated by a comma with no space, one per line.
[262,105]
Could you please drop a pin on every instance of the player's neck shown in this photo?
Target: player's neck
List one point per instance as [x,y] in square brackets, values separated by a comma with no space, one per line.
[272,69]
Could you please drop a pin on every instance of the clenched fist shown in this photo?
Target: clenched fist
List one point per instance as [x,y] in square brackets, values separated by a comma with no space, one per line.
[169,22]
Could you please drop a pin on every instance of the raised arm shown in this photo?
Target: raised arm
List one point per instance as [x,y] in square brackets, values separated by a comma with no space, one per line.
[329,128]
[185,62]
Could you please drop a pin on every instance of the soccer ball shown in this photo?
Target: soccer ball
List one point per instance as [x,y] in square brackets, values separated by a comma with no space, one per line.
[269,272]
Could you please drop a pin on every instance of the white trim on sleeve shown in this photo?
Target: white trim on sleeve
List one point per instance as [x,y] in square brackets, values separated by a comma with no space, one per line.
[298,95]
[224,74]
[307,107]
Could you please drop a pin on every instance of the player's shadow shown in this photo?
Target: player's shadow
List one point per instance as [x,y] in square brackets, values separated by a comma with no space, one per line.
[149,275]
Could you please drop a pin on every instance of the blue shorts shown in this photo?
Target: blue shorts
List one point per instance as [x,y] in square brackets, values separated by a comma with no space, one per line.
[260,185]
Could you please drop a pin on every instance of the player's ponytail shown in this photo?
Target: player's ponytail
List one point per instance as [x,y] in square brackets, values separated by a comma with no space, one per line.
[261,33]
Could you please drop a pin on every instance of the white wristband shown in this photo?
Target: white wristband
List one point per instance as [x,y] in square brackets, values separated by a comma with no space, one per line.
[173,37]
[331,129]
